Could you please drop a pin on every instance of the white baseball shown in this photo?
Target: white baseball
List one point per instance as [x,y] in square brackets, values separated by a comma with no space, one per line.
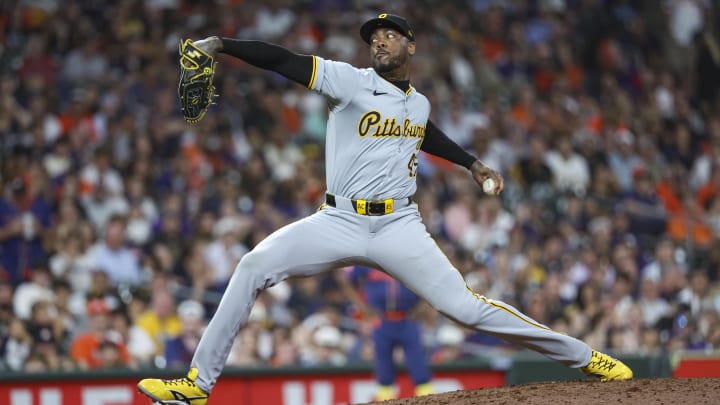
[489,186]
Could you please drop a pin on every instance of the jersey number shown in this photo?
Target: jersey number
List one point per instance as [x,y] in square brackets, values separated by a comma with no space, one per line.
[413,165]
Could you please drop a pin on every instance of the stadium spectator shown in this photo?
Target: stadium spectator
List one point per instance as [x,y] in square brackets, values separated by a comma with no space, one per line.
[285,352]
[16,345]
[24,217]
[250,340]
[179,350]
[226,249]
[160,321]
[490,226]
[140,345]
[449,349]
[72,263]
[325,348]
[112,256]
[645,210]
[570,170]
[653,306]
[531,170]
[623,161]
[88,348]
[38,288]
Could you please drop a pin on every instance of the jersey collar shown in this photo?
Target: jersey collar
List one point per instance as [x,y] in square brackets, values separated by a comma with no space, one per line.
[407,92]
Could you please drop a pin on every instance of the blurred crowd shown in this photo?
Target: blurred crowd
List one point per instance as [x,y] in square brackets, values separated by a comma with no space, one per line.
[120,224]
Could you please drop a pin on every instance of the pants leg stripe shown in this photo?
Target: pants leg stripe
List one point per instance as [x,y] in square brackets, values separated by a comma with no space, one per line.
[495,304]
[506,309]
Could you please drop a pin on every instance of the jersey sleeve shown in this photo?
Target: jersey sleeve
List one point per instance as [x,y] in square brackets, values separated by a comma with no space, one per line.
[337,81]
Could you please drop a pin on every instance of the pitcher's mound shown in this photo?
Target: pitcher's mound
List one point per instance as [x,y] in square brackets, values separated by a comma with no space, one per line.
[656,391]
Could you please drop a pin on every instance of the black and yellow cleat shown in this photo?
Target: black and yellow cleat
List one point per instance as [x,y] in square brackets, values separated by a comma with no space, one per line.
[607,368]
[181,391]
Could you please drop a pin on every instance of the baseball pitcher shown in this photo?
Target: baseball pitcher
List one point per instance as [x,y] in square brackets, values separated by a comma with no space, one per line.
[377,125]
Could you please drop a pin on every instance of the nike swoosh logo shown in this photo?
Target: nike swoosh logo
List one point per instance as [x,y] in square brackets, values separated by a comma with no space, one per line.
[377,93]
[181,397]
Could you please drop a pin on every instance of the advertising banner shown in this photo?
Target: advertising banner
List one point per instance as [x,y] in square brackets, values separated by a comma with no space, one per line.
[313,389]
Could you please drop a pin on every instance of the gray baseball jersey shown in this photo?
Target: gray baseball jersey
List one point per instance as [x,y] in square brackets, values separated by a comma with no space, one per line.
[374,132]
[373,136]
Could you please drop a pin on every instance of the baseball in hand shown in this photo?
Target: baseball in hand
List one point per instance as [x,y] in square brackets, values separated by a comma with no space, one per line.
[489,186]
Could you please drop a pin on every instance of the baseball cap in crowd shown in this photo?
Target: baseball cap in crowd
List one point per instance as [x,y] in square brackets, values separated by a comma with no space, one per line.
[449,335]
[386,20]
[327,336]
[191,309]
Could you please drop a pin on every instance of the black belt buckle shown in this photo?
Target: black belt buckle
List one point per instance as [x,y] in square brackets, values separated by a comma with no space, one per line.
[371,208]
[376,208]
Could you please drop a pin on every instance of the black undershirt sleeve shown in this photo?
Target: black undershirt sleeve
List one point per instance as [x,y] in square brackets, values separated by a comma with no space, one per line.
[438,144]
[296,67]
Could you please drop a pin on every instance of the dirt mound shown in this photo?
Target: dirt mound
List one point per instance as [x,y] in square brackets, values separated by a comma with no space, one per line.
[658,391]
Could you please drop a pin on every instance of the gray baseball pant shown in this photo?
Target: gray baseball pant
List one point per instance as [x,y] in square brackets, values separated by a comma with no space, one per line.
[397,243]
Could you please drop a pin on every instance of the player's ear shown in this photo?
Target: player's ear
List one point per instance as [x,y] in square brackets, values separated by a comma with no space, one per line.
[411,48]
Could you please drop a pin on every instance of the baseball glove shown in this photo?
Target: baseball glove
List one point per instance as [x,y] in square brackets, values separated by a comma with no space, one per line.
[196,89]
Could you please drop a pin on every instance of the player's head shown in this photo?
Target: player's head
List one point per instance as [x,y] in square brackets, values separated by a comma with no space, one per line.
[391,40]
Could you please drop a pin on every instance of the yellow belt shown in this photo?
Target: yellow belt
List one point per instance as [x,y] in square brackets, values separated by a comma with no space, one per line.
[370,207]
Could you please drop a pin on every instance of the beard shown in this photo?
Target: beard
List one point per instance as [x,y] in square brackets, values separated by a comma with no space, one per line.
[390,64]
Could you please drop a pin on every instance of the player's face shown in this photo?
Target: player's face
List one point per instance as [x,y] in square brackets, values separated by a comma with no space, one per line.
[389,49]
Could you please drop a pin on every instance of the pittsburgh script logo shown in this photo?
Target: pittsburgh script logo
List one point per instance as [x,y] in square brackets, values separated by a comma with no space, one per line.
[372,123]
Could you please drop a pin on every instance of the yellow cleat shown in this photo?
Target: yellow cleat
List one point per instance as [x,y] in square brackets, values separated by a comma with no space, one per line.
[424,389]
[607,368]
[385,393]
[182,391]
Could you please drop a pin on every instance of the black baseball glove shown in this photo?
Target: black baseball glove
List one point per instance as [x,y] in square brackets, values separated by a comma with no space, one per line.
[196,89]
